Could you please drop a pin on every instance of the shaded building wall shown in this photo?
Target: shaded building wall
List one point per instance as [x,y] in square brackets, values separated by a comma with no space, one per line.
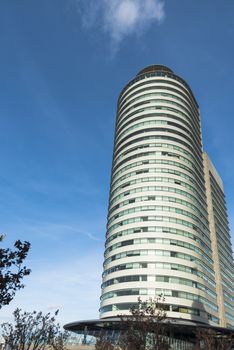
[221,243]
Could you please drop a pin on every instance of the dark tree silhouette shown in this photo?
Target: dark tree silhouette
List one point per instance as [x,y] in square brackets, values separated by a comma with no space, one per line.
[12,271]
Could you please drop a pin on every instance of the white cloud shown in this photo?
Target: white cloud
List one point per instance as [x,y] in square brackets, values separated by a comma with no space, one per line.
[119,18]
[123,17]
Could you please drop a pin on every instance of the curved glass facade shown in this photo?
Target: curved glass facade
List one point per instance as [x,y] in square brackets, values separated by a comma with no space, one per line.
[158,238]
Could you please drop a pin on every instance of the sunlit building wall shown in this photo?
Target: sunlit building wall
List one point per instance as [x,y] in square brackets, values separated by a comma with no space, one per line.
[158,237]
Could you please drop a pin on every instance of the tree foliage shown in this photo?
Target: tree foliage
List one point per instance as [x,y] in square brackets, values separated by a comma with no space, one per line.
[34,331]
[12,271]
[102,343]
[210,339]
[143,329]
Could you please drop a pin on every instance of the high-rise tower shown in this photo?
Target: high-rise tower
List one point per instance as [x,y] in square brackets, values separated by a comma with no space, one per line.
[158,238]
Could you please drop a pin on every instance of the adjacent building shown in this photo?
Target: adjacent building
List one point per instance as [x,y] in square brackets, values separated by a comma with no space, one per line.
[167,230]
[221,243]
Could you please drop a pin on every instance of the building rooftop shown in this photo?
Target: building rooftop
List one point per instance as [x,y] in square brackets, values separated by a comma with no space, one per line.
[155,68]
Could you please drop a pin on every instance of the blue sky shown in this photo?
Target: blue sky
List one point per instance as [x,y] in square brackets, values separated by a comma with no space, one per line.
[62,66]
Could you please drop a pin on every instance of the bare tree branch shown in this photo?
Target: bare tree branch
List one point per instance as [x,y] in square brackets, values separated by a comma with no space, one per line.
[34,331]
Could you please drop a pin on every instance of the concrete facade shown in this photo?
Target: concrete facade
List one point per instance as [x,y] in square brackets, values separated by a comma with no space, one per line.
[221,243]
